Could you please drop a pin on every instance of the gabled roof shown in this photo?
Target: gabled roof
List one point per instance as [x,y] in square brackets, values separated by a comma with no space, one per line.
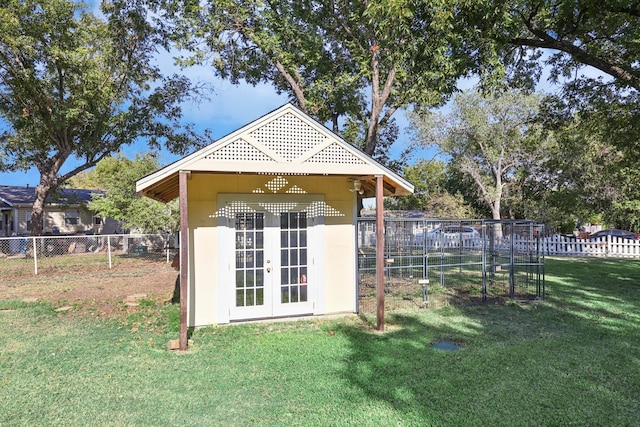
[283,142]
[15,196]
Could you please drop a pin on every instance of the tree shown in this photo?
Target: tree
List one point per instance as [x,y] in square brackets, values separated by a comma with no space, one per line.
[75,86]
[587,174]
[489,138]
[117,176]
[593,33]
[431,194]
[590,49]
[350,59]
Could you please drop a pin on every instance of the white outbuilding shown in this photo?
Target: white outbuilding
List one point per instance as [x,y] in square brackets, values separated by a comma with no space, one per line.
[269,219]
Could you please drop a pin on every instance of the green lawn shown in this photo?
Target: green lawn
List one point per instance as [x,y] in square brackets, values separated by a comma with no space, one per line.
[573,359]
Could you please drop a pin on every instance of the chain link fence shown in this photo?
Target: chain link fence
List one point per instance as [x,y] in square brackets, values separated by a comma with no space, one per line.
[433,263]
[24,255]
[428,263]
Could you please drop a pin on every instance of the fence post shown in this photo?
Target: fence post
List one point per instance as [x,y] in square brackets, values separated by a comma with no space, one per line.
[109,250]
[484,261]
[35,257]
[512,260]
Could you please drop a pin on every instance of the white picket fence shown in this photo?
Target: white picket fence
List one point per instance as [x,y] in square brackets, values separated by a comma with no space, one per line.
[603,246]
[557,245]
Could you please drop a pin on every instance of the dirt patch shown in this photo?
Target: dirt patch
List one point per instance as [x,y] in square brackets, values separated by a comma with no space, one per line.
[90,288]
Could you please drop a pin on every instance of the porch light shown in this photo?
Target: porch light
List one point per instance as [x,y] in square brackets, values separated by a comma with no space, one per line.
[356,186]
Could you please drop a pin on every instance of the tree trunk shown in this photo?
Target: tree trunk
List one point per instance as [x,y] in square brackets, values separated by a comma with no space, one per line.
[334,121]
[378,99]
[37,212]
[48,184]
[294,84]
[495,212]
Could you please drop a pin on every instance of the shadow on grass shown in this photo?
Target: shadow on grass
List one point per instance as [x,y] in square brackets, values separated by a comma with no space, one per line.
[603,292]
[571,359]
[400,368]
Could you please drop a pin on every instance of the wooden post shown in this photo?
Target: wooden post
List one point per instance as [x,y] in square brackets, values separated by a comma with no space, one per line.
[109,251]
[35,256]
[184,257]
[380,252]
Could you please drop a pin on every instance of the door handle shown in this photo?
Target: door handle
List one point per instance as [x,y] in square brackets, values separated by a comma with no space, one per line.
[268,269]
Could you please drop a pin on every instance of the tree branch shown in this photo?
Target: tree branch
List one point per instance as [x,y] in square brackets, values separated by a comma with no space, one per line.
[295,86]
[583,57]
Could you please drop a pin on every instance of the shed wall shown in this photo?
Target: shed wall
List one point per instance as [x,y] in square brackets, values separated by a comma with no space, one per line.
[339,249]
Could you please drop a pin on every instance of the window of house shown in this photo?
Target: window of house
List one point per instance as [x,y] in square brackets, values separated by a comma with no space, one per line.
[27,217]
[72,218]
[97,220]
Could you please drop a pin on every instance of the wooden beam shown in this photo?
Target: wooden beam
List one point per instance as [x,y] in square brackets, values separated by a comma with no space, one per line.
[380,252]
[184,257]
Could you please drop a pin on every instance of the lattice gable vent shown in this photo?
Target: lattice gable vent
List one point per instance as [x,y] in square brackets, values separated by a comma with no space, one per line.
[335,154]
[289,136]
[239,150]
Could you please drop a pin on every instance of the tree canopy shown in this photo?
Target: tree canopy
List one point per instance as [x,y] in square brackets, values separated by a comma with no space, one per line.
[117,176]
[75,86]
[589,49]
[587,176]
[433,192]
[603,35]
[488,138]
[345,59]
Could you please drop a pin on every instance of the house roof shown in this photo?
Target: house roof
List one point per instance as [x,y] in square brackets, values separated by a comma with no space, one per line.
[15,196]
[283,142]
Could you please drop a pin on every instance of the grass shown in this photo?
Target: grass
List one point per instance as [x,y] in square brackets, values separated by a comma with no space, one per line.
[570,360]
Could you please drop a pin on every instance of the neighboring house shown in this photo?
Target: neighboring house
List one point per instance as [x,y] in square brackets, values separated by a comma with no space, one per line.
[271,213]
[64,213]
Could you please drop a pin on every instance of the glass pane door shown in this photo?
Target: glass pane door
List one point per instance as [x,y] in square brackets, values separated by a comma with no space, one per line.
[270,265]
[294,280]
[249,254]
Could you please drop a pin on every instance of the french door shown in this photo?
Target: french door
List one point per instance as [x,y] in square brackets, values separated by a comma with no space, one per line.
[271,268]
